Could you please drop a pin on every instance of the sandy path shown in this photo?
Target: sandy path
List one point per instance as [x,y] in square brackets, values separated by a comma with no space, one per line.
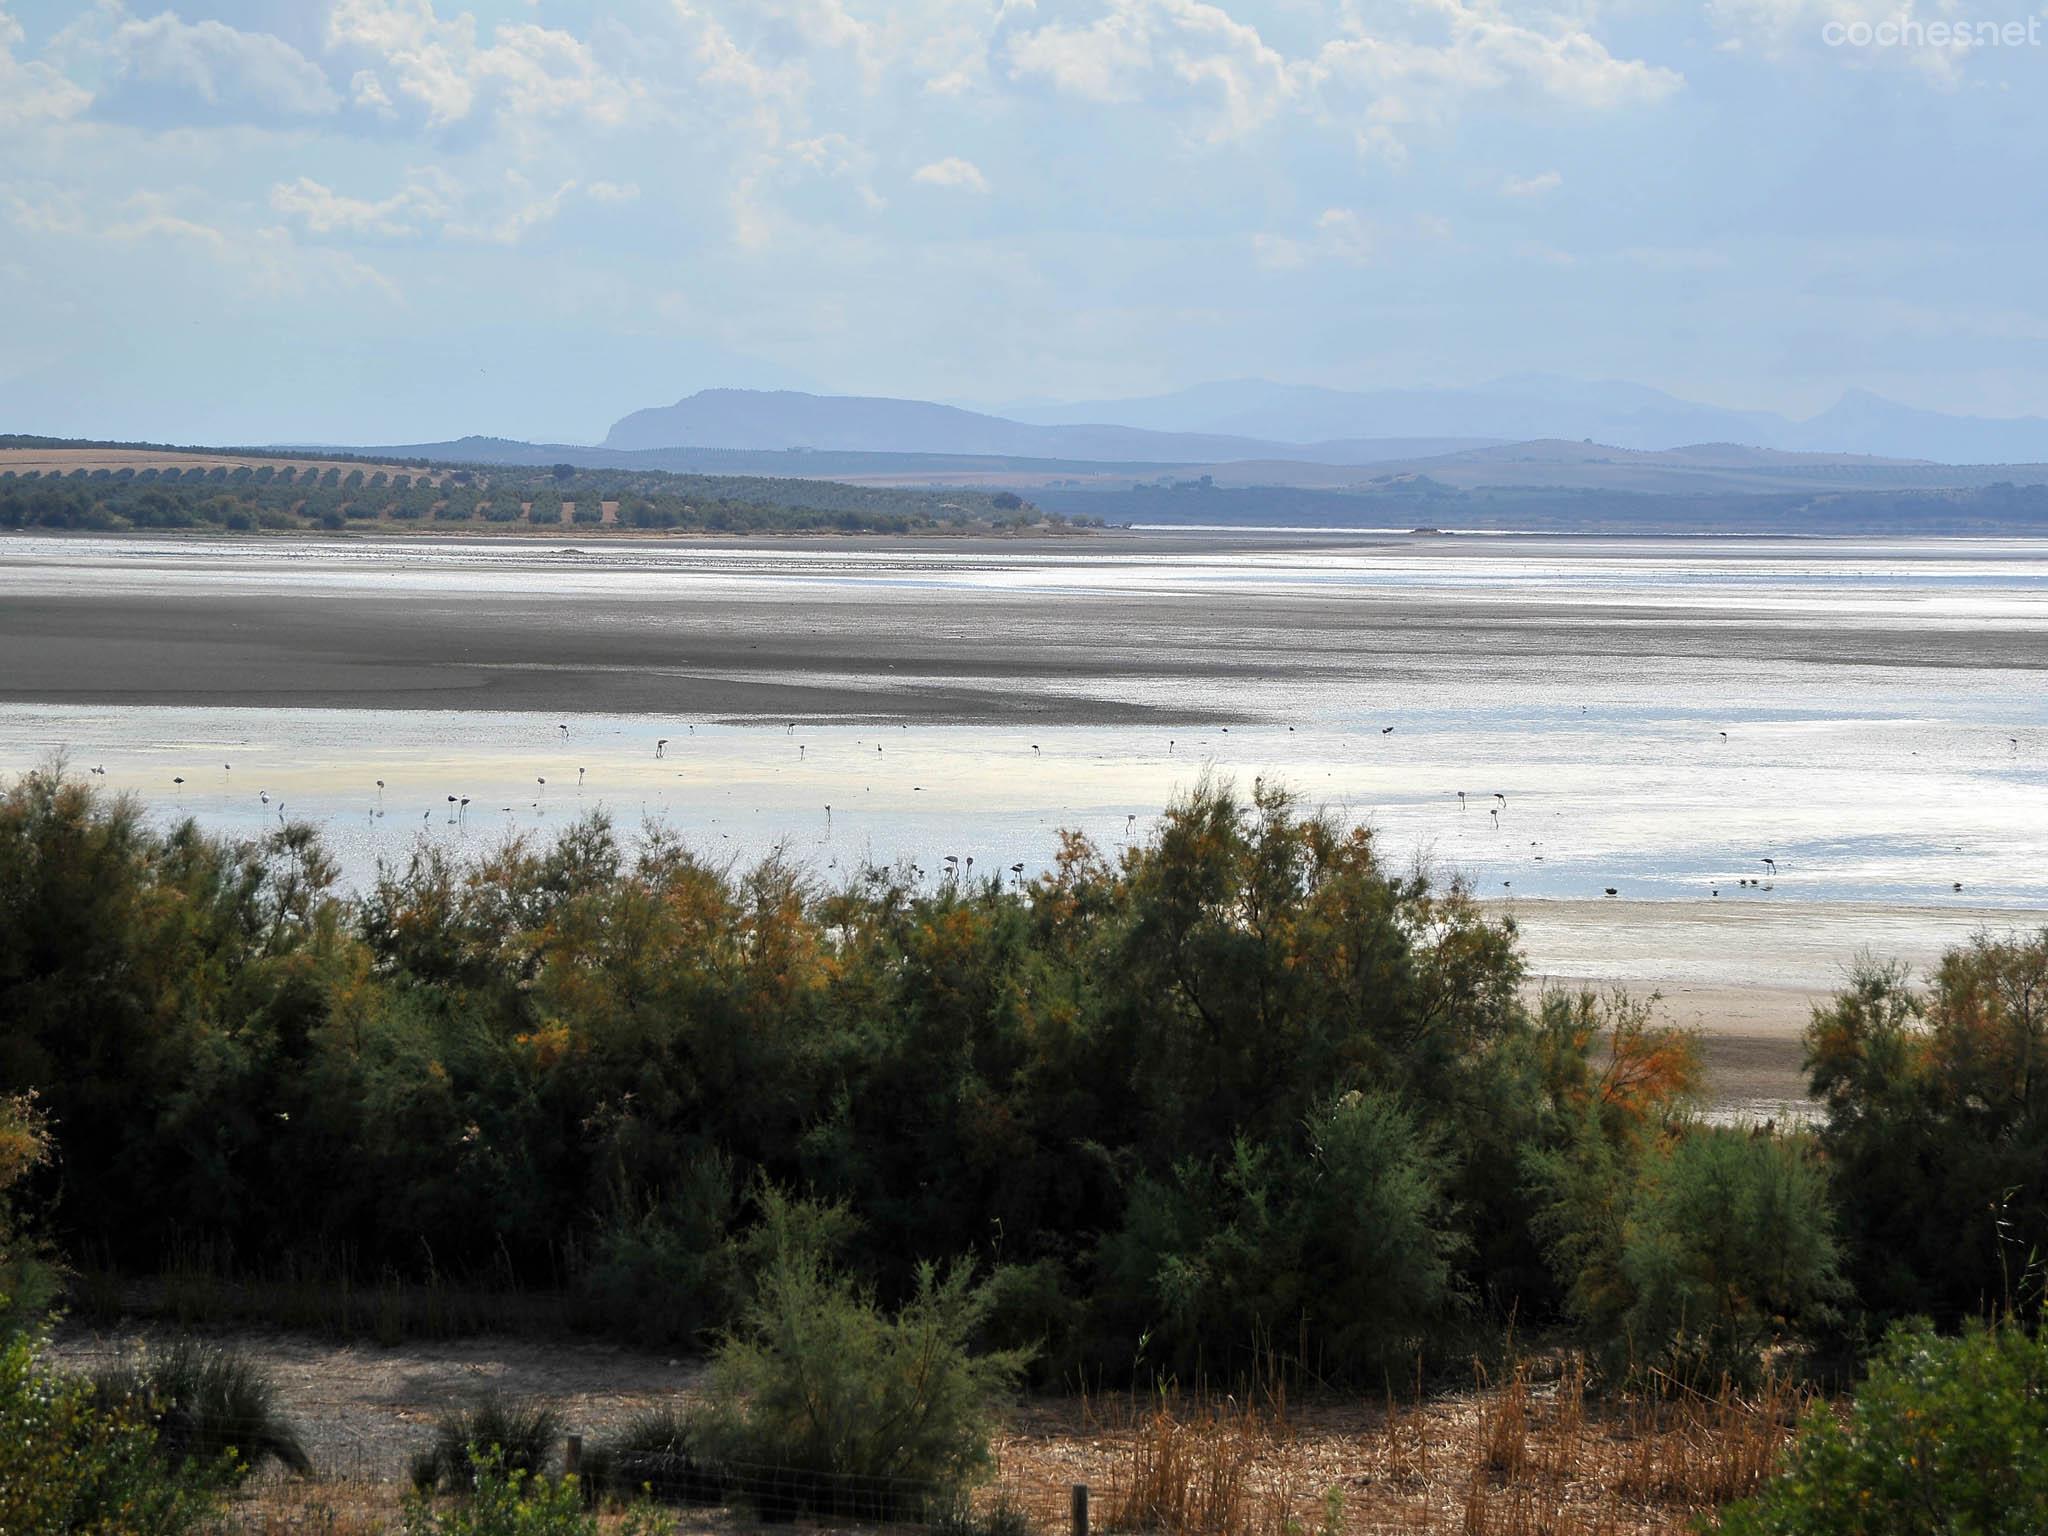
[363,1410]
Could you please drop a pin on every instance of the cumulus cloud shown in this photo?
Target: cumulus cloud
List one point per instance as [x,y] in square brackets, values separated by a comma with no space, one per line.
[1389,67]
[1531,186]
[432,202]
[30,90]
[268,257]
[426,197]
[1141,48]
[1421,63]
[952,173]
[229,71]
[445,67]
[1848,29]
[1341,235]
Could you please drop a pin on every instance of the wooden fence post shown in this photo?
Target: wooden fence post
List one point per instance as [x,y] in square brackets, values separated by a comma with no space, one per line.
[1080,1509]
[572,1454]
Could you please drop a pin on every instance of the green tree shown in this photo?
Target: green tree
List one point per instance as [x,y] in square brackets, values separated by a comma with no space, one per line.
[1947,1436]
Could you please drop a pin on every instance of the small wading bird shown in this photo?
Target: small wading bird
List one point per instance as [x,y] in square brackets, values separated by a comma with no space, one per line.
[1770,864]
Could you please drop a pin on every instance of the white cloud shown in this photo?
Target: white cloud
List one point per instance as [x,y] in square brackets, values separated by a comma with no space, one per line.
[1148,48]
[432,202]
[367,92]
[525,70]
[527,212]
[223,67]
[1392,65]
[1342,236]
[1278,253]
[1102,60]
[1848,29]
[1531,186]
[952,173]
[424,198]
[267,257]
[31,91]
[1425,60]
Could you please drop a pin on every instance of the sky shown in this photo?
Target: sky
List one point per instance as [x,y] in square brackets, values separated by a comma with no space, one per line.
[406,220]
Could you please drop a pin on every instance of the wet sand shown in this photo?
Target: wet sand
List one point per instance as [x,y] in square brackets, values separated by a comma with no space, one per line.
[971,644]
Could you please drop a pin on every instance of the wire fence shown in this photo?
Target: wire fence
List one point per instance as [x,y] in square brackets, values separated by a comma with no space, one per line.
[360,1487]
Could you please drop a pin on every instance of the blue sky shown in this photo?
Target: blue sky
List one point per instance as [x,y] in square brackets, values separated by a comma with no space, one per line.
[378,220]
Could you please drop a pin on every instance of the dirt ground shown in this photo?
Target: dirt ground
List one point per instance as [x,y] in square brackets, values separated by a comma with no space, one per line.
[1532,1453]
[363,1410]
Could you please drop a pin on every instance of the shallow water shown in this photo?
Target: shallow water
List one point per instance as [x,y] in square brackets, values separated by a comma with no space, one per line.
[1867,773]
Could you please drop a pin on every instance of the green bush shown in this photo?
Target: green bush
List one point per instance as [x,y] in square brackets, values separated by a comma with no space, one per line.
[518,1437]
[1346,1239]
[1730,1248]
[29,1277]
[1937,1128]
[70,1463]
[1947,1436]
[821,1403]
[1691,1263]
[502,1500]
[654,1457]
[206,1403]
[1031,1311]
[668,1271]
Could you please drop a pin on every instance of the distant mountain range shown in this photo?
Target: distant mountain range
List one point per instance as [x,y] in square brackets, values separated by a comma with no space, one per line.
[1256,420]
[769,420]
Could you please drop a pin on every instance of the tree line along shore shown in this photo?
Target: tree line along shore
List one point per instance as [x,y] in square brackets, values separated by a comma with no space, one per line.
[252,497]
[1239,1103]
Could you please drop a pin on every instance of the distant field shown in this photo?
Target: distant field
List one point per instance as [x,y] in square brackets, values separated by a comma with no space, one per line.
[62,461]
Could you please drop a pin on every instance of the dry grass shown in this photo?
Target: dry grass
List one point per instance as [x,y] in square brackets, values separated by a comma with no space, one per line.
[1527,1453]
[1527,1450]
